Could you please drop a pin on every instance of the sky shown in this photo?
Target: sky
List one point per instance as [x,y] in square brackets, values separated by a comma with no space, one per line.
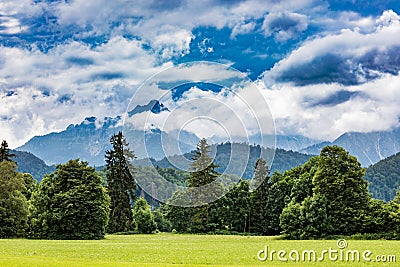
[325,67]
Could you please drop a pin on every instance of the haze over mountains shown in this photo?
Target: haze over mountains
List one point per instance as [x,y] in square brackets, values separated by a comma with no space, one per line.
[90,139]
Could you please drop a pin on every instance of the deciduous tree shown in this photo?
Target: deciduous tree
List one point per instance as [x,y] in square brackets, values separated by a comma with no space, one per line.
[13,204]
[71,203]
[339,179]
[144,219]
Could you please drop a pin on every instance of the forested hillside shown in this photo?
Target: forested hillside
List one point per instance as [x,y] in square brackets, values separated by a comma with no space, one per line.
[243,161]
[29,163]
[384,178]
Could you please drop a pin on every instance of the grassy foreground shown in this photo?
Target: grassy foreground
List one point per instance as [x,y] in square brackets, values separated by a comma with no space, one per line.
[180,250]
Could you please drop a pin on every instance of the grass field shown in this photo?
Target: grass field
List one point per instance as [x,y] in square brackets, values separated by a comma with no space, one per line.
[181,250]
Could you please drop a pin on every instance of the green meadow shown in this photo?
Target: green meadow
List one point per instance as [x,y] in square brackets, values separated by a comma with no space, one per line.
[184,250]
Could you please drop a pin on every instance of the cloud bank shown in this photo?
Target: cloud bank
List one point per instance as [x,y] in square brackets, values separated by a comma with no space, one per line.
[328,66]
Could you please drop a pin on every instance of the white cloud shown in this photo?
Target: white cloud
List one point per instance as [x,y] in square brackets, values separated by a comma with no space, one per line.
[10,25]
[243,28]
[13,11]
[375,109]
[284,26]
[171,41]
[335,22]
[388,17]
[167,26]
[372,103]
[73,80]
[67,84]
[13,8]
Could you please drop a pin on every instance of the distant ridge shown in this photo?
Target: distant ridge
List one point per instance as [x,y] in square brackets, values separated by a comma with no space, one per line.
[369,148]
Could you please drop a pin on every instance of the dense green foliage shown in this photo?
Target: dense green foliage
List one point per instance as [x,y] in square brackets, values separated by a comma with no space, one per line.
[326,196]
[144,219]
[384,178]
[13,205]
[155,178]
[31,185]
[121,184]
[70,203]
[163,224]
[339,203]
[339,178]
[233,209]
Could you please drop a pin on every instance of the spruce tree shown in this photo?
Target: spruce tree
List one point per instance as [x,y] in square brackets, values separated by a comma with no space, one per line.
[121,184]
[5,152]
[259,217]
[202,169]
[201,189]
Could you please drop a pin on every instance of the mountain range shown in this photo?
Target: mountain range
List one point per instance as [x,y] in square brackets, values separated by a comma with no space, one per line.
[90,139]
[369,148]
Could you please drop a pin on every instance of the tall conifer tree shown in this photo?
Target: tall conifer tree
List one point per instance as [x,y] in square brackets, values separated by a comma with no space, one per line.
[121,184]
[201,189]
[5,152]
[259,219]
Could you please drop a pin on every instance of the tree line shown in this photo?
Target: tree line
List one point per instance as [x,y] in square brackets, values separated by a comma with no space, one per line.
[73,202]
[327,196]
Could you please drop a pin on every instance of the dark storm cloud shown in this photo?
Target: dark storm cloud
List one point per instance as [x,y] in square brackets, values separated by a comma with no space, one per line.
[334,99]
[345,70]
[351,57]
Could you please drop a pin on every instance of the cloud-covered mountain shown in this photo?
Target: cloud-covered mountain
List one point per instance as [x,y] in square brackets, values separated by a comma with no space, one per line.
[89,140]
[369,148]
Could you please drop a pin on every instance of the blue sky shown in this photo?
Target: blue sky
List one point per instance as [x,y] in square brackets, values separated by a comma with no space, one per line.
[326,67]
